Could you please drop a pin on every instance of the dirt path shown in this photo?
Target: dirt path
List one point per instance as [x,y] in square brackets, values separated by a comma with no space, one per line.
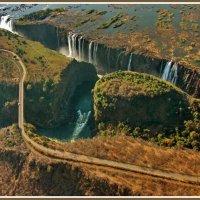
[55,154]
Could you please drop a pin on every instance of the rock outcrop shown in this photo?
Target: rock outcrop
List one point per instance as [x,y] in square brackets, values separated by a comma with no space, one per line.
[140,100]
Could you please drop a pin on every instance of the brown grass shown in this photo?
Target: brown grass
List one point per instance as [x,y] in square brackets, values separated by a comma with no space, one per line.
[142,184]
[41,63]
[134,151]
[6,176]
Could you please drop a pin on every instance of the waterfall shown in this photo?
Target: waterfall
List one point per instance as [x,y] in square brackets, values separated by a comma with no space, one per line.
[76,48]
[95,53]
[166,70]
[80,123]
[72,39]
[82,50]
[90,52]
[6,23]
[79,48]
[170,72]
[173,74]
[74,51]
[69,45]
[129,62]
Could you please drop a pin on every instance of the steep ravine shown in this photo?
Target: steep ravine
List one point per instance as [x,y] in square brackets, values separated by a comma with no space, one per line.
[47,103]
[8,103]
[53,100]
[109,59]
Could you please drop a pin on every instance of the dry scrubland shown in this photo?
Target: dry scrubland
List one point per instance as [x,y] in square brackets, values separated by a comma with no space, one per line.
[35,174]
[8,69]
[116,142]
[130,150]
[41,63]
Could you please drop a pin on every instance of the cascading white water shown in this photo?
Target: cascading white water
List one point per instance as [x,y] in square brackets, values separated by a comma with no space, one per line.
[6,23]
[69,45]
[173,74]
[129,62]
[82,50]
[170,72]
[95,53]
[76,47]
[79,48]
[72,39]
[74,51]
[80,123]
[166,70]
[90,59]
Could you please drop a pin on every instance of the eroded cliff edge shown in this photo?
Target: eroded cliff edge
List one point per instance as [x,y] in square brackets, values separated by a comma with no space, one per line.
[50,83]
[139,51]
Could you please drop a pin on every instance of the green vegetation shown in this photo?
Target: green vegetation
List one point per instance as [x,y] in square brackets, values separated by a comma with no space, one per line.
[101,12]
[139,82]
[165,18]
[83,22]
[110,21]
[8,71]
[31,131]
[145,107]
[41,14]
[10,136]
[90,11]
[140,100]
[118,24]
[188,136]
[41,63]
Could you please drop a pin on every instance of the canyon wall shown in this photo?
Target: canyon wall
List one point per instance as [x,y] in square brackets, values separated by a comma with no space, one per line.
[8,103]
[52,100]
[47,103]
[108,59]
[139,100]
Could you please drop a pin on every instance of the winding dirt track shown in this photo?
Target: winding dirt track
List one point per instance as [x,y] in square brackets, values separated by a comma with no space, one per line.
[22,70]
[67,156]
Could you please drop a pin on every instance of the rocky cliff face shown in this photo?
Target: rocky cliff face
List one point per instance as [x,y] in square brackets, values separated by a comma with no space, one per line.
[189,81]
[8,103]
[110,59]
[47,103]
[44,33]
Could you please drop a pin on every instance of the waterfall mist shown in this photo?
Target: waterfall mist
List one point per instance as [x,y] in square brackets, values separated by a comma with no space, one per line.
[6,23]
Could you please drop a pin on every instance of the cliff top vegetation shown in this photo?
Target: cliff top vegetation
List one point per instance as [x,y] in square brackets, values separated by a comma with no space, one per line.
[172,31]
[127,84]
[41,63]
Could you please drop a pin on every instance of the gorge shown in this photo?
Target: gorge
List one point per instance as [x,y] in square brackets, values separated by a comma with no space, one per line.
[105,59]
[108,59]
[111,99]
